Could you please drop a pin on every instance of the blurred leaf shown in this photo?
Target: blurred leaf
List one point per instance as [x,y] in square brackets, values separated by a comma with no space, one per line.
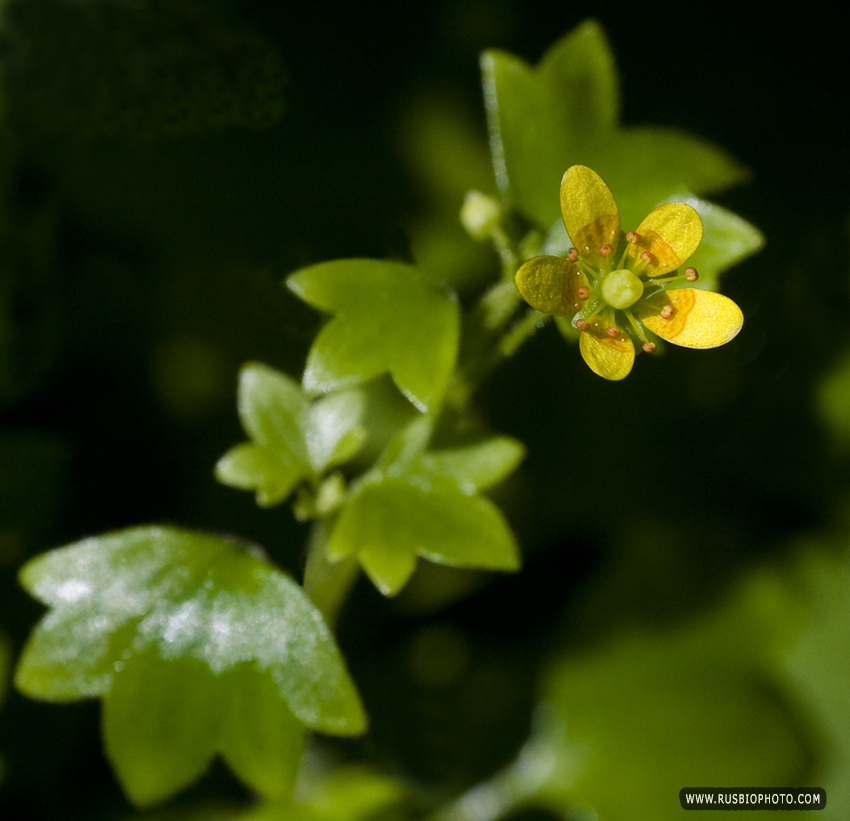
[292,440]
[5,665]
[139,613]
[815,666]
[833,399]
[388,317]
[347,794]
[418,503]
[565,111]
[653,713]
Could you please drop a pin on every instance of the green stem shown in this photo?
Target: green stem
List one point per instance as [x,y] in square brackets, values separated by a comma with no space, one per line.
[328,584]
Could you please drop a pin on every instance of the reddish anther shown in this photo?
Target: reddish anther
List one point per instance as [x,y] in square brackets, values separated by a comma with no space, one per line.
[633,237]
[582,325]
[613,332]
[572,255]
[667,311]
[691,274]
[647,257]
[605,250]
[583,292]
[649,347]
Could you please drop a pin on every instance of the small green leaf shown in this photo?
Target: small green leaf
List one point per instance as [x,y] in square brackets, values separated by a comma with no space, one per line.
[475,467]
[273,410]
[335,435]
[248,466]
[292,439]
[276,415]
[387,317]
[139,613]
[423,503]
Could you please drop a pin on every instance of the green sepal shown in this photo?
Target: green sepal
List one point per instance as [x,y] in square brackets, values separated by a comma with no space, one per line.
[565,111]
[424,503]
[292,440]
[158,604]
[387,318]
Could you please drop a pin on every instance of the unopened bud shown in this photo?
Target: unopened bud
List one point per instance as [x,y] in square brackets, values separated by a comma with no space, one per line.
[480,214]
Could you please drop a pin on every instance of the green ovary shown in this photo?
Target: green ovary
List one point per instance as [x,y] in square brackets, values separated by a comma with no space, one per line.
[621,289]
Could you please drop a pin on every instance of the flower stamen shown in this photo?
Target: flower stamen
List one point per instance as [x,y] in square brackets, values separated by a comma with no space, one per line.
[667,312]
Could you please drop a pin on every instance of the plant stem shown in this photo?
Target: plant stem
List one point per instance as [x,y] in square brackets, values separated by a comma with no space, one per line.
[328,584]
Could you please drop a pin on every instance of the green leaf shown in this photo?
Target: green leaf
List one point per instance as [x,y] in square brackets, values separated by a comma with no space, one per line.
[539,118]
[225,653]
[292,440]
[657,711]
[475,467]
[334,434]
[542,120]
[275,414]
[423,503]
[189,714]
[387,317]
[350,793]
[815,665]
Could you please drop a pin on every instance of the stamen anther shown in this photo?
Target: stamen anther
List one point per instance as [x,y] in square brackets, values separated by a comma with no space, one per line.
[667,311]
[572,255]
[605,250]
[582,325]
[649,347]
[691,274]
[613,332]
[633,237]
[583,292]
[648,257]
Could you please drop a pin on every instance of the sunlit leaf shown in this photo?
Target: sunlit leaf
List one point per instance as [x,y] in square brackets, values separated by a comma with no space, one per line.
[137,614]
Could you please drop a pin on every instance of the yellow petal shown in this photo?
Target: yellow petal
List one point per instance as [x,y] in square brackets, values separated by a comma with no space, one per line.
[609,358]
[590,212]
[550,284]
[671,233]
[701,319]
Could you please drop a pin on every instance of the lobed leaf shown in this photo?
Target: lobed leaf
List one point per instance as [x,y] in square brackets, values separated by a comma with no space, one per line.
[565,111]
[292,440]
[423,503]
[223,652]
[387,318]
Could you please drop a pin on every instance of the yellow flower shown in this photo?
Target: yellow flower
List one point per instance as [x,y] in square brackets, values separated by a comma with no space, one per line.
[619,287]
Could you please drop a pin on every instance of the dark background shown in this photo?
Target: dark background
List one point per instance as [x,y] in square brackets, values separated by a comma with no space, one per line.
[142,263]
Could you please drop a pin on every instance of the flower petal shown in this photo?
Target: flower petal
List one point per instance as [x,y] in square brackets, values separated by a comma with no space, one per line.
[701,319]
[609,358]
[671,233]
[590,212]
[550,284]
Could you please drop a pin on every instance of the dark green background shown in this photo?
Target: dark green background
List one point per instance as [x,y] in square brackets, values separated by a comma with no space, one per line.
[132,263]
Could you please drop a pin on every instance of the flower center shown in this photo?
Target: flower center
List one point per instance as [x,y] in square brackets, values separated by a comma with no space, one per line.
[621,289]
